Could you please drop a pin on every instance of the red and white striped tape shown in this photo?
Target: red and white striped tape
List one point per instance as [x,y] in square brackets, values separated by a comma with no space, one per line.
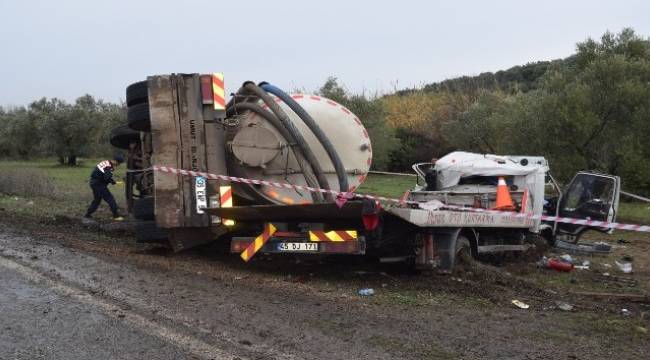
[269,183]
[350,195]
[560,219]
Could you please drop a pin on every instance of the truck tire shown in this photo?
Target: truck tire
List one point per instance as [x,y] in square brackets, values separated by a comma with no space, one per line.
[122,136]
[143,209]
[138,116]
[149,232]
[137,93]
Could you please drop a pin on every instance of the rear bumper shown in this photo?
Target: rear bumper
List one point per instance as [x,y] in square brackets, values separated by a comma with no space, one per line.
[275,246]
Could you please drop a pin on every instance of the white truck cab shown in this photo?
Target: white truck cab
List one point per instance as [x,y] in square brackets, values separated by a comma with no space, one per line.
[450,194]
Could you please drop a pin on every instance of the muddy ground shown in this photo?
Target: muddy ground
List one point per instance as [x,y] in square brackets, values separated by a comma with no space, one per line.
[74,292]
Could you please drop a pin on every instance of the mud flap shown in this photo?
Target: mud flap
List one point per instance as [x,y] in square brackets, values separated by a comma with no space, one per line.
[444,253]
[445,244]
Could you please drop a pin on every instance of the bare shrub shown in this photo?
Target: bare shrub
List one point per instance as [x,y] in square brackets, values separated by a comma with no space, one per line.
[28,182]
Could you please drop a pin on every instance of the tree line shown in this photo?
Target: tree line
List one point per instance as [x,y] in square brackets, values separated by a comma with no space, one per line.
[53,127]
[589,111]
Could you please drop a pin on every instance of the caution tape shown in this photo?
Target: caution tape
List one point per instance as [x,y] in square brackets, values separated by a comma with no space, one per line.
[560,219]
[350,195]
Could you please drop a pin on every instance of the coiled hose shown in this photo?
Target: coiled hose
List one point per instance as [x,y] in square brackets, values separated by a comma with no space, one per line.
[252,92]
[234,108]
[318,132]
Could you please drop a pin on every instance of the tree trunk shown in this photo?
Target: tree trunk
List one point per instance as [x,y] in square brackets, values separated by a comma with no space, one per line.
[72,160]
[61,160]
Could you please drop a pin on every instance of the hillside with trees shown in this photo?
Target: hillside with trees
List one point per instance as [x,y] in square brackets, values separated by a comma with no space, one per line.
[590,110]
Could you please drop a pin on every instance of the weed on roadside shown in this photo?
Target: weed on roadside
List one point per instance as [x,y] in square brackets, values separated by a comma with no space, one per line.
[28,182]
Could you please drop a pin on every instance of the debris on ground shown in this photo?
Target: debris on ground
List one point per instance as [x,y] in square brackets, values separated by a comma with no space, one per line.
[625,264]
[556,264]
[566,258]
[520,304]
[625,267]
[366,292]
[564,306]
[584,266]
[602,247]
[583,249]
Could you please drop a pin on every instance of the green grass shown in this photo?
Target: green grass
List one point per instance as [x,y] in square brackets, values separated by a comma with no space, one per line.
[45,188]
[65,177]
[634,212]
[387,185]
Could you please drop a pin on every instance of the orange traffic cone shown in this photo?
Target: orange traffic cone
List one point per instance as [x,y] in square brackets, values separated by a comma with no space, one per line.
[504,201]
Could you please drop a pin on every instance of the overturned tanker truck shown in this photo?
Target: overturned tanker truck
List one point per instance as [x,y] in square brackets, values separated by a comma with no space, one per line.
[269,148]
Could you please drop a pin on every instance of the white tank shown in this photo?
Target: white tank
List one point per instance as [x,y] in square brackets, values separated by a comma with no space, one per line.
[260,152]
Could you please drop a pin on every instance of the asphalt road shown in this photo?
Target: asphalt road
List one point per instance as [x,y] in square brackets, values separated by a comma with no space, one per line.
[59,303]
[45,320]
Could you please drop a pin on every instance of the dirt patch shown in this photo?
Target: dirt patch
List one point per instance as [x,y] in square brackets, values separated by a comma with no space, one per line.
[310,306]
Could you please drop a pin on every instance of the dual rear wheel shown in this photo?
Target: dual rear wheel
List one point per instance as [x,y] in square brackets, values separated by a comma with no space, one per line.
[127,137]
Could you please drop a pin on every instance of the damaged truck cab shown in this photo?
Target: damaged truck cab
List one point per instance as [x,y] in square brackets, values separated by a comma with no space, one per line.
[453,206]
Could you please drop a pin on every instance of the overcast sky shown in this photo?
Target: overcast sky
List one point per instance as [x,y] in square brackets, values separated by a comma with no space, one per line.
[65,48]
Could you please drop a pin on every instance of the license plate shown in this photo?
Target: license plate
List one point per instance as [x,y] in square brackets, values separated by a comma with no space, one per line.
[297,246]
[200,187]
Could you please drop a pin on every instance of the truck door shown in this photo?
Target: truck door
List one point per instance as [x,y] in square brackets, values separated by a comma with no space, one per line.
[589,196]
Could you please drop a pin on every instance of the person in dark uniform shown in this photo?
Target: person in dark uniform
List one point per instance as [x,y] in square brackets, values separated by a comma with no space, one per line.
[101,176]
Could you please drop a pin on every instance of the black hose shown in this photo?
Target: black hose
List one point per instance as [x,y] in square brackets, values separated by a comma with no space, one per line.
[275,122]
[318,132]
[295,133]
[247,106]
